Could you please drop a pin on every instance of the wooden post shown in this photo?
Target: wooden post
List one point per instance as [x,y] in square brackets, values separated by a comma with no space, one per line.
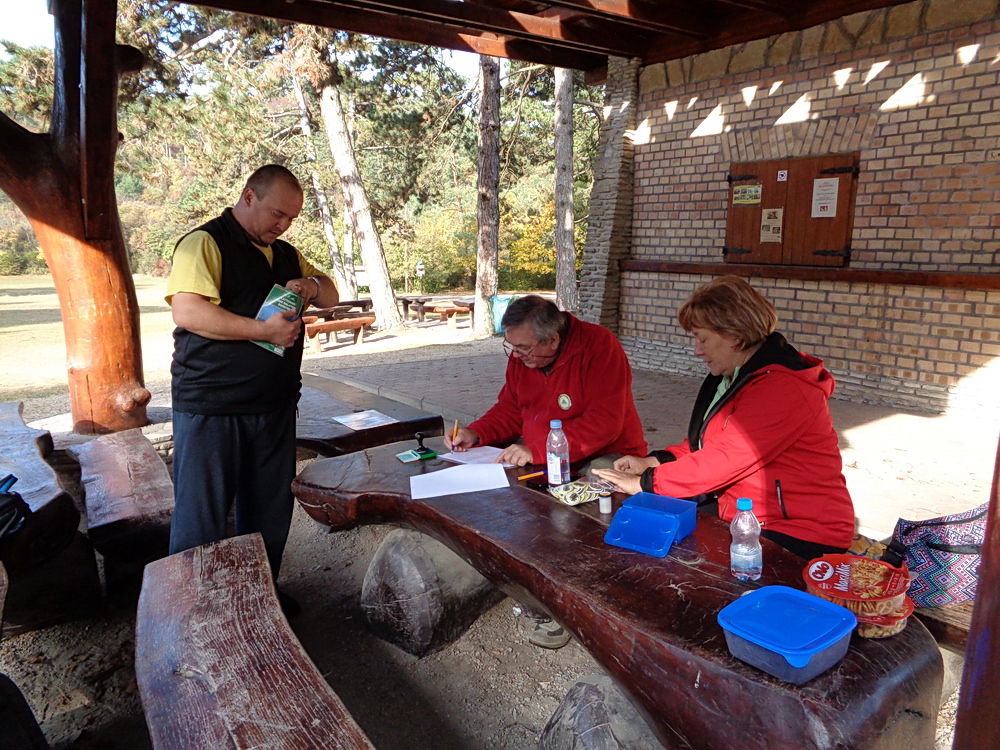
[63,181]
[975,725]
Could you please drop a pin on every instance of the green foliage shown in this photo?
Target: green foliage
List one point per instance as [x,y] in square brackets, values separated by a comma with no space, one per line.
[214,101]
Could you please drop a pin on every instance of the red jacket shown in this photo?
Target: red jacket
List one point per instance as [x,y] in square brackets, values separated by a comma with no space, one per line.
[599,416]
[771,429]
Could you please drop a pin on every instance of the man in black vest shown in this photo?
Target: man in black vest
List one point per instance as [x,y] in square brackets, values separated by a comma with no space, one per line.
[234,400]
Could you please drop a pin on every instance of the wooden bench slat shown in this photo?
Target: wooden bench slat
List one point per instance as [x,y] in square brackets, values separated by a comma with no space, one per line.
[351,322]
[128,493]
[54,517]
[218,665]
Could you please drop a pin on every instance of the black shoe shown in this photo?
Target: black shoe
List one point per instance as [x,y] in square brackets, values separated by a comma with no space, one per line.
[288,604]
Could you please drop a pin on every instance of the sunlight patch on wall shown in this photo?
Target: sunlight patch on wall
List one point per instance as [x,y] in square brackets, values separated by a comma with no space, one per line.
[748,94]
[909,95]
[711,125]
[691,103]
[642,134]
[671,109]
[774,87]
[875,70]
[840,77]
[796,113]
[967,53]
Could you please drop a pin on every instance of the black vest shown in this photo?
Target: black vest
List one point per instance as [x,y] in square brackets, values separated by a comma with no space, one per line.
[238,377]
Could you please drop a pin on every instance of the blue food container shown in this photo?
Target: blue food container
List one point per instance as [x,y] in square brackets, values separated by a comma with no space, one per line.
[787,633]
[651,523]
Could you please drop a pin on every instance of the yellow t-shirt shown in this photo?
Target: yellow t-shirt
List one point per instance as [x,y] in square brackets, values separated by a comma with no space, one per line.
[197,266]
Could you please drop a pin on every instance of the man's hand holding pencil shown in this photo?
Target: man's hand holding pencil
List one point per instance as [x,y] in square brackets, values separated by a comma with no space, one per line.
[460,439]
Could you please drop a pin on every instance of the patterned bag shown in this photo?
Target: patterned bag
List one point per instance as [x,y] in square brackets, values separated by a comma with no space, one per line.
[943,556]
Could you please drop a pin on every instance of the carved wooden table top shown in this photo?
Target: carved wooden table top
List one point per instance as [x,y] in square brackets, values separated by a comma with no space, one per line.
[650,622]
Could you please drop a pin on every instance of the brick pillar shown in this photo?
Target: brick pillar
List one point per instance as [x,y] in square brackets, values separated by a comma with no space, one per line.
[609,230]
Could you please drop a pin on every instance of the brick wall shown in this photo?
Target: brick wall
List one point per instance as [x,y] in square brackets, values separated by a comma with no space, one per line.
[916,90]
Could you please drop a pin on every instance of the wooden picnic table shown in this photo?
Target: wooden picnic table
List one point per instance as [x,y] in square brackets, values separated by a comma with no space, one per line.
[418,305]
[317,430]
[651,623]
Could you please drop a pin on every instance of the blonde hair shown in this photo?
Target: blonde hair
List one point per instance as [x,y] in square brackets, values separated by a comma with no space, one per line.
[730,306]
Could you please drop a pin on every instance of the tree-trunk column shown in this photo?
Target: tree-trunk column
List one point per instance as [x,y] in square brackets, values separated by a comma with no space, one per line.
[609,233]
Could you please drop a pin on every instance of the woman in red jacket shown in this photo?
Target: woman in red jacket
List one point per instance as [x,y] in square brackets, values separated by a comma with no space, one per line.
[761,428]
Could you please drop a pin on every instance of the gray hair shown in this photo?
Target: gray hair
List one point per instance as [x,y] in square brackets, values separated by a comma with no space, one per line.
[541,316]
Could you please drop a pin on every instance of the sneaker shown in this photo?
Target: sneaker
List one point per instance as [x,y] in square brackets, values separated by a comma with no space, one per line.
[288,604]
[549,634]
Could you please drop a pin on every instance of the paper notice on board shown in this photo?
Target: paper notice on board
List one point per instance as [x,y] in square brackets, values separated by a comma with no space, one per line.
[825,197]
[746,195]
[770,224]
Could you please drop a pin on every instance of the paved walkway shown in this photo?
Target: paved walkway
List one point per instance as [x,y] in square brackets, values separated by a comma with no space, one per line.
[897,463]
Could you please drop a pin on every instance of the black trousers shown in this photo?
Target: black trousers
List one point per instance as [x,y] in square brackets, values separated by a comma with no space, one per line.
[243,462]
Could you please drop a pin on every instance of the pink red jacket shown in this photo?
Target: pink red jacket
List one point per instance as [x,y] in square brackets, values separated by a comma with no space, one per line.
[769,438]
[589,388]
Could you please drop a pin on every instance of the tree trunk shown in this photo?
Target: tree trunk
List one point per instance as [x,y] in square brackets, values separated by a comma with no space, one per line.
[63,181]
[352,278]
[356,202]
[336,262]
[488,202]
[566,288]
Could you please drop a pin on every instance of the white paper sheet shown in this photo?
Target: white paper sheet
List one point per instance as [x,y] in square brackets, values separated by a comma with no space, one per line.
[481,454]
[362,420]
[458,479]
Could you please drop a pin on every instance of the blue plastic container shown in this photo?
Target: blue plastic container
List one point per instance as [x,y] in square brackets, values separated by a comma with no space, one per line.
[498,306]
[651,523]
[685,510]
[787,633]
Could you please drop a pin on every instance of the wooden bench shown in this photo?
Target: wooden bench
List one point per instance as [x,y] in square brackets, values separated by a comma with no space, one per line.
[218,665]
[128,494]
[448,313]
[54,518]
[417,303]
[651,623]
[51,566]
[315,326]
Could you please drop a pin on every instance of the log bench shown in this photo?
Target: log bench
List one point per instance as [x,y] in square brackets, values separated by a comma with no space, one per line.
[448,313]
[51,566]
[128,494]
[651,623]
[356,323]
[218,665]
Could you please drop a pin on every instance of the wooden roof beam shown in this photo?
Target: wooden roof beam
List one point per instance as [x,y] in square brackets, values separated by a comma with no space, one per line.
[643,15]
[395,26]
[535,28]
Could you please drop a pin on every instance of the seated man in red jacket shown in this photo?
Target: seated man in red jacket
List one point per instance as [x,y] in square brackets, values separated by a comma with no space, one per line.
[559,367]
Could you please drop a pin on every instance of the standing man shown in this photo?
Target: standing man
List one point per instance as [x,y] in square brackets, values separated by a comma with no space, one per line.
[559,367]
[234,401]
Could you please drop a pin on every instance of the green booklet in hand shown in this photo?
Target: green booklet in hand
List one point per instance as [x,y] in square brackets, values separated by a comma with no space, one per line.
[279,299]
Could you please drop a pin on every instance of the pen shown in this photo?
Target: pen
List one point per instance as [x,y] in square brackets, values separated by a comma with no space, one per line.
[454,433]
[529,476]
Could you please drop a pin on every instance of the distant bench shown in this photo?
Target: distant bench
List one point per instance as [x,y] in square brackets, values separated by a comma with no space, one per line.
[356,322]
[217,664]
[448,313]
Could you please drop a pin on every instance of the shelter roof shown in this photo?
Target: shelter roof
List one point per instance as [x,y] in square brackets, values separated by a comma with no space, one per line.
[566,33]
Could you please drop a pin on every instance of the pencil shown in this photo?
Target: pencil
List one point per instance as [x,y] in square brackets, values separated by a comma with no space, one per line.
[454,433]
[529,476]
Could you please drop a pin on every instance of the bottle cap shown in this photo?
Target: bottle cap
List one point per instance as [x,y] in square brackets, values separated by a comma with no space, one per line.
[555,424]
[744,503]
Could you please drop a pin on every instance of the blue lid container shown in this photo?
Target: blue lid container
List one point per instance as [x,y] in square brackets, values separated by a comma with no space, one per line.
[651,523]
[787,633]
[685,510]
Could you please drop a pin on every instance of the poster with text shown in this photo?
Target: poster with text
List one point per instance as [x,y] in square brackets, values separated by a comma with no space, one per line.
[770,224]
[746,195]
[825,197]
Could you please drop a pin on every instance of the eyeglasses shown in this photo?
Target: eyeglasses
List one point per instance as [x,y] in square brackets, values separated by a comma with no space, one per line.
[511,351]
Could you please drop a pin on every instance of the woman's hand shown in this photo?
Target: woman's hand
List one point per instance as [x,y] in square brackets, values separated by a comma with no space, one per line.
[516,454]
[627,483]
[635,464]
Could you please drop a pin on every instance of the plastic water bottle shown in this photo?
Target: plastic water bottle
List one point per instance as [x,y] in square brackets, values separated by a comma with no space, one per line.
[557,454]
[745,557]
